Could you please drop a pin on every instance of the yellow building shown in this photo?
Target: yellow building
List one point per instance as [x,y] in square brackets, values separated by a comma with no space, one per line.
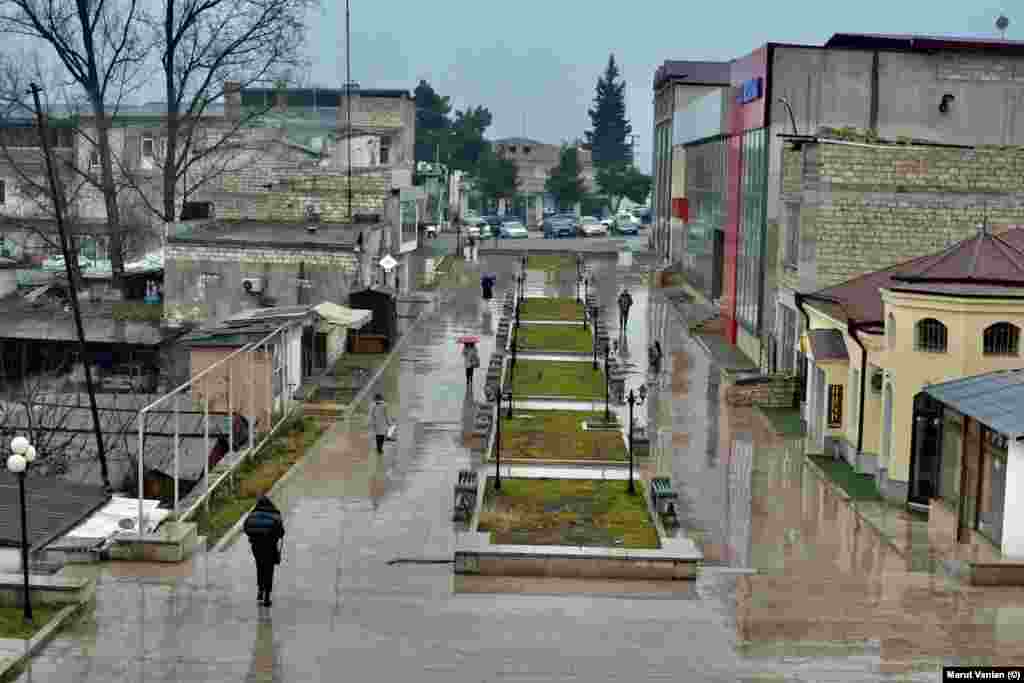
[875,343]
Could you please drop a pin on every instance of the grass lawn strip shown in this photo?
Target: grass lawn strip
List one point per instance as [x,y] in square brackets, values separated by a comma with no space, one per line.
[857,486]
[550,262]
[577,512]
[555,338]
[557,435]
[255,476]
[551,308]
[557,378]
[12,620]
[785,421]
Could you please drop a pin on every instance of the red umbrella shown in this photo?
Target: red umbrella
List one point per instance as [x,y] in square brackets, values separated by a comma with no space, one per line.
[468,339]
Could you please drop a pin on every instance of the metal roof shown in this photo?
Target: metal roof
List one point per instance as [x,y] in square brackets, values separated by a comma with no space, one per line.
[995,399]
[692,73]
[827,345]
[921,43]
[55,506]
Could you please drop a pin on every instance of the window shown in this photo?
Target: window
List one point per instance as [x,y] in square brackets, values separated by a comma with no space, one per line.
[1001,339]
[408,216]
[385,149]
[94,158]
[512,149]
[931,336]
[890,331]
[750,256]
[3,191]
[526,150]
[835,406]
[147,148]
[791,254]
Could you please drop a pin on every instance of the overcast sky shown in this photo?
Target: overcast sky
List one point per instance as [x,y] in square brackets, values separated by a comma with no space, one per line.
[540,59]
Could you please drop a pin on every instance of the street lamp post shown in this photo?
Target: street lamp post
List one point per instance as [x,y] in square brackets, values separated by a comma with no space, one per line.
[633,400]
[497,445]
[22,455]
[607,383]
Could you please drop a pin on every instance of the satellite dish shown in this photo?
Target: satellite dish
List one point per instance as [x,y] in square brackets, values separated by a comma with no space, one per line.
[1002,23]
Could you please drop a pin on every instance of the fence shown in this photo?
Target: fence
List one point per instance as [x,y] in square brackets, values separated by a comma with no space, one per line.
[270,383]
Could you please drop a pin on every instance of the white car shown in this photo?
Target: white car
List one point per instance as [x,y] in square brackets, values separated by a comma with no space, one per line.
[513,230]
[591,227]
[431,230]
[473,231]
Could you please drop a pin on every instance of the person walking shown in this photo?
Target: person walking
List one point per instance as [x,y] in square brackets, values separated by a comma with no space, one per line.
[471,249]
[654,358]
[625,303]
[487,287]
[379,421]
[472,358]
[265,529]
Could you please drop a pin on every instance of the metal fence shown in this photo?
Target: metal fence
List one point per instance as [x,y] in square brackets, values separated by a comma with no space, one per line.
[257,381]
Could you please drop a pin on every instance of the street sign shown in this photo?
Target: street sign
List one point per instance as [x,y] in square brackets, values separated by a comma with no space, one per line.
[388,262]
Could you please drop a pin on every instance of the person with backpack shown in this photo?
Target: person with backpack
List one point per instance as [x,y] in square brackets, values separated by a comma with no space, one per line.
[625,303]
[265,529]
[380,422]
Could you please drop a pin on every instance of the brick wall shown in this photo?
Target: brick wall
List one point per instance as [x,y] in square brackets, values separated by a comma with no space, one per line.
[778,392]
[869,207]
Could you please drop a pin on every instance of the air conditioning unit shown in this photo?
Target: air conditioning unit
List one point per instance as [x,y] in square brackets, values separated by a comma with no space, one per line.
[252,285]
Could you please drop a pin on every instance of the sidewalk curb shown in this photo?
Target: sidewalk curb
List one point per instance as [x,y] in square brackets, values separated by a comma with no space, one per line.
[36,643]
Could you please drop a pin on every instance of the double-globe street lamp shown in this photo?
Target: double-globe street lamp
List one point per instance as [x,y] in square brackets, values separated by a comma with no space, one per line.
[495,390]
[23,454]
[632,400]
[607,382]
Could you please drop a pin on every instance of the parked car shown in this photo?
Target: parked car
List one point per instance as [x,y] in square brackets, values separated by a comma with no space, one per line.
[643,217]
[485,230]
[513,230]
[626,228]
[560,226]
[591,227]
[609,222]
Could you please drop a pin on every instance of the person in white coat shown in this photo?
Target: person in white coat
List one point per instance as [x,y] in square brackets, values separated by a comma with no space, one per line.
[379,421]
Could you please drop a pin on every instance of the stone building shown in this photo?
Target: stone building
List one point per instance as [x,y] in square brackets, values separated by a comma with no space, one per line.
[944,90]
[534,161]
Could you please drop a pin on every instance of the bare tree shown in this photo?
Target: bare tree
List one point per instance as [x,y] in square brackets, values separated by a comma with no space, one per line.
[203,44]
[99,45]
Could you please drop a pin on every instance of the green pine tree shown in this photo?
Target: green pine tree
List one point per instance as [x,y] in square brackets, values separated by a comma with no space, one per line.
[609,138]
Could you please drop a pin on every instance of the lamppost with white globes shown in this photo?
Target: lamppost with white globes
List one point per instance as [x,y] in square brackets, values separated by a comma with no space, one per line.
[22,455]
[632,400]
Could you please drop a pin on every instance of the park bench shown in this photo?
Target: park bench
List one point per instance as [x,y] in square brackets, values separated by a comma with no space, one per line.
[465,495]
[664,498]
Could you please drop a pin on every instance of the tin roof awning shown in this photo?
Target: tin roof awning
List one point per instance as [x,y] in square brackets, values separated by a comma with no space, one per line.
[995,399]
[826,346]
[343,316]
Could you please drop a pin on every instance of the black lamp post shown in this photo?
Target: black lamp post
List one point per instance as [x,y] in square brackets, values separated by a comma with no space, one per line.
[497,445]
[593,320]
[23,453]
[607,383]
[579,286]
[633,400]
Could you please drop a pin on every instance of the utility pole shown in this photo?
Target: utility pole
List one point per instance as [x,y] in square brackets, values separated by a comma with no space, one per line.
[58,209]
[348,103]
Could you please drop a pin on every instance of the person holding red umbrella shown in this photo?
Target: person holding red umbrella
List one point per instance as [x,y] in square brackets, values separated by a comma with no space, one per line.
[472,358]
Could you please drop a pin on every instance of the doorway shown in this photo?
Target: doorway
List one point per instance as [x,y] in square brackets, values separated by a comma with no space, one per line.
[925,450]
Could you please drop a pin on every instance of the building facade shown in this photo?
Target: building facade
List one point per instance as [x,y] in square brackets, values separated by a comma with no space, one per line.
[898,87]
[534,161]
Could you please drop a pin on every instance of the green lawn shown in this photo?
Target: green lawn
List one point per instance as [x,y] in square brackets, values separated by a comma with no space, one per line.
[551,308]
[578,512]
[256,476]
[858,486]
[12,620]
[555,338]
[557,435]
[551,262]
[557,378]
[785,421]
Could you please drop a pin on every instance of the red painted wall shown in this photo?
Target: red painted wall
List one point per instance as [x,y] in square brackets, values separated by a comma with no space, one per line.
[742,117]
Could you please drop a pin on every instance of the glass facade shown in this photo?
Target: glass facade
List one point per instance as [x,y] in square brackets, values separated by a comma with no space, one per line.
[753,205]
[705,187]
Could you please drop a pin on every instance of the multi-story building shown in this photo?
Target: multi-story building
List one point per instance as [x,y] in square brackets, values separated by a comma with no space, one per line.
[741,241]
[534,161]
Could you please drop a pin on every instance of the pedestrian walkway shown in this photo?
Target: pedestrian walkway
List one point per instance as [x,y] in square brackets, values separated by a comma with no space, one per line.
[342,611]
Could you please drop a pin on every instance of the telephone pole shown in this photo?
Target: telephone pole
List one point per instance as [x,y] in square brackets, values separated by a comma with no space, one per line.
[58,210]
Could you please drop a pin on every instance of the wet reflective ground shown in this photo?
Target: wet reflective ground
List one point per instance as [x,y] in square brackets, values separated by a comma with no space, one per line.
[800,584]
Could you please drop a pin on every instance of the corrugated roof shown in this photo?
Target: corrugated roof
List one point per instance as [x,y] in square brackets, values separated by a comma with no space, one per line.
[689,72]
[995,399]
[55,506]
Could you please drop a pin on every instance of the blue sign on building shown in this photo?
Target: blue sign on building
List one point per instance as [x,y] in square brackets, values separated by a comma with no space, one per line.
[749,91]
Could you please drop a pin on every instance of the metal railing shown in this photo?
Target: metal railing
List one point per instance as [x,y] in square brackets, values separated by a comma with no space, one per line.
[278,377]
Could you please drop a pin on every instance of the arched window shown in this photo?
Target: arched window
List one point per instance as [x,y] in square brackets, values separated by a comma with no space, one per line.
[931,336]
[890,331]
[1001,339]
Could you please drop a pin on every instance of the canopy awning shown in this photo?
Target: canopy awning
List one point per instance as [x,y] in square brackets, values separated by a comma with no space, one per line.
[995,399]
[343,316]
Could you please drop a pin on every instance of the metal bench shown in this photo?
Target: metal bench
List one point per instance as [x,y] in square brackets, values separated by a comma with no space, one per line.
[465,495]
[664,498]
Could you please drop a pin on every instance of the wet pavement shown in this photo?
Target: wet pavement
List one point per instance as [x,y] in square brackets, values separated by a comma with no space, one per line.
[798,587]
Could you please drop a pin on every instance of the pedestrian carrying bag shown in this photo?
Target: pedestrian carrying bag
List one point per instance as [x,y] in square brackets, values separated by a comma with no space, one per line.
[391,433]
[277,552]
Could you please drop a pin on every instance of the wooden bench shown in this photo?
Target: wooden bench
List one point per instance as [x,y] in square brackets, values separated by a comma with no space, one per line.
[664,498]
[465,495]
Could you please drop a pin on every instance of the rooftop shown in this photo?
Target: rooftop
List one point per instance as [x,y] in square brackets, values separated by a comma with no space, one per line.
[921,43]
[692,73]
[56,507]
[272,234]
[46,319]
[995,398]
[984,265]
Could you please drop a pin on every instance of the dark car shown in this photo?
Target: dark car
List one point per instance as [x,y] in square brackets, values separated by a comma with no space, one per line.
[560,226]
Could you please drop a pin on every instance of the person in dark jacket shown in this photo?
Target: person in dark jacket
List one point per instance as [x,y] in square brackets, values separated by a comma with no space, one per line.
[625,303]
[265,529]
[487,287]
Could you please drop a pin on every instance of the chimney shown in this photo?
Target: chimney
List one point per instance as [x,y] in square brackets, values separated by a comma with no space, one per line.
[233,101]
